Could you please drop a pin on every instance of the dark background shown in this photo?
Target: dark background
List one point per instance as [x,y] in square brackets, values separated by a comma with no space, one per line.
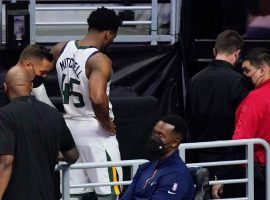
[148,80]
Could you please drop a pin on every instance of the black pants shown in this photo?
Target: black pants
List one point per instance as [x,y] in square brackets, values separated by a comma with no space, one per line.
[233,190]
[239,190]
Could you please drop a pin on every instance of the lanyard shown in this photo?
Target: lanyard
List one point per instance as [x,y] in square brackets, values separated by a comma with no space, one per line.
[147,181]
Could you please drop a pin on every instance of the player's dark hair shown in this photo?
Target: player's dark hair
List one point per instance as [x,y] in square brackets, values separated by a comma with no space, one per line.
[228,41]
[103,19]
[180,125]
[258,57]
[36,51]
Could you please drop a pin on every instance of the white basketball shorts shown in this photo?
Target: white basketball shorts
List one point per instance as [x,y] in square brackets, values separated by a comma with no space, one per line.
[94,145]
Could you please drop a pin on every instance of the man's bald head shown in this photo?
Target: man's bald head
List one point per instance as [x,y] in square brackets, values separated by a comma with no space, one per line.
[17,82]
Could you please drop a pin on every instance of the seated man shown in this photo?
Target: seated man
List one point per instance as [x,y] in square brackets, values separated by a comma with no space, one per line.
[166,177]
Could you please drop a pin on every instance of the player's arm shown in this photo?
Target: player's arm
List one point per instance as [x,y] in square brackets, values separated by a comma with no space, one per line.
[70,156]
[57,50]
[6,162]
[248,117]
[7,150]
[99,68]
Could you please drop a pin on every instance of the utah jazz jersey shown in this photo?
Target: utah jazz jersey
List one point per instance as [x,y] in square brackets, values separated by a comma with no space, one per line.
[73,81]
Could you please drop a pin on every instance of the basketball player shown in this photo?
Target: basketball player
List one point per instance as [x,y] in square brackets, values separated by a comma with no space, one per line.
[84,74]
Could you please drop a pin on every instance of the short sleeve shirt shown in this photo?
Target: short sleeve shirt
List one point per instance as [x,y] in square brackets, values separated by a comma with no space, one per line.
[34,133]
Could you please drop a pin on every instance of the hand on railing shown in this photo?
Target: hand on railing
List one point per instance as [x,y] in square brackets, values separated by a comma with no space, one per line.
[217,190]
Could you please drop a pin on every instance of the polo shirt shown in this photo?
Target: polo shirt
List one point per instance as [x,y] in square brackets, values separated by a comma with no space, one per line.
[169,179]
[34,133]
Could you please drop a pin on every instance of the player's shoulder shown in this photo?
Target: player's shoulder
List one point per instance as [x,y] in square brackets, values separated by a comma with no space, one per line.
[99,59]
[58,48]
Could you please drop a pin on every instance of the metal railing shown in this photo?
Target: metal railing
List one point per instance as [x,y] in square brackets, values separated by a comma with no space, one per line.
[153,37]
[249,143]
[66,168]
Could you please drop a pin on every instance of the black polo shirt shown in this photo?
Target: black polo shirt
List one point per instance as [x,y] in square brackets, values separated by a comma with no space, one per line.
[34,133]
[3,97]
[212,99]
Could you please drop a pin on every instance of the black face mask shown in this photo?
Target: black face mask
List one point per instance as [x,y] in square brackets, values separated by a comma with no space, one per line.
[38,80]
[155,147]
[248,83]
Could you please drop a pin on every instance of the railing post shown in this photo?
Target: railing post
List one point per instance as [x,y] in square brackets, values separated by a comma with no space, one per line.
[267,169]
[134,169]
[65,183]
[32,9]
[1,26]
[173,21]
[178,19]
[182,152]
[154,22]
[250,171]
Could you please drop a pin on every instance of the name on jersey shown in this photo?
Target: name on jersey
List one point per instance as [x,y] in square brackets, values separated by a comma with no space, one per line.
[71,63]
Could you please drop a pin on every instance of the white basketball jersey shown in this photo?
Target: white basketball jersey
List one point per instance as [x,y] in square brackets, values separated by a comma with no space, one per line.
[73,82]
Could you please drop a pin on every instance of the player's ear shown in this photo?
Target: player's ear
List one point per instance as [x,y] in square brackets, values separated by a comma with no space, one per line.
[214,52]
[5,87]
[108,35]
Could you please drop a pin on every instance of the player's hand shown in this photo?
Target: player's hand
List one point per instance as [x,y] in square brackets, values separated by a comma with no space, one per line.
[217,189]
[61,157]
[110,127]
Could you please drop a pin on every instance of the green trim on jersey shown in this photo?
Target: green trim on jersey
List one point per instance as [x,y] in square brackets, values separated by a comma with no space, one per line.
[78,46]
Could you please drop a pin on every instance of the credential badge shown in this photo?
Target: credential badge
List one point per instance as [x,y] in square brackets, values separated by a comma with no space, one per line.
[174,188]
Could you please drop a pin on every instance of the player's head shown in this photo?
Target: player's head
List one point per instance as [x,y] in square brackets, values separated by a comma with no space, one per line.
[106,22]
[167,135]
[17,82]
[229,43]
[37,60]
[256,65]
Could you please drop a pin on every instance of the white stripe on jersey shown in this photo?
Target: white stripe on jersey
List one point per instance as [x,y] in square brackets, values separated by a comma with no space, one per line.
[73,82]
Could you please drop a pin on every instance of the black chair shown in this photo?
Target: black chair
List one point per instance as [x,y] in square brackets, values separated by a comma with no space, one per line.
[200,177]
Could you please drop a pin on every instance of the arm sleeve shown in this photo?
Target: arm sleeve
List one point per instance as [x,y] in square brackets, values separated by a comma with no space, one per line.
[41,95]
[67,141]
[173,187]
[247,120]
[129,193]
[7,136]
[3,97]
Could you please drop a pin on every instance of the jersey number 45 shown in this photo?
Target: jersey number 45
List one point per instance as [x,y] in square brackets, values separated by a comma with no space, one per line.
[67,91]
